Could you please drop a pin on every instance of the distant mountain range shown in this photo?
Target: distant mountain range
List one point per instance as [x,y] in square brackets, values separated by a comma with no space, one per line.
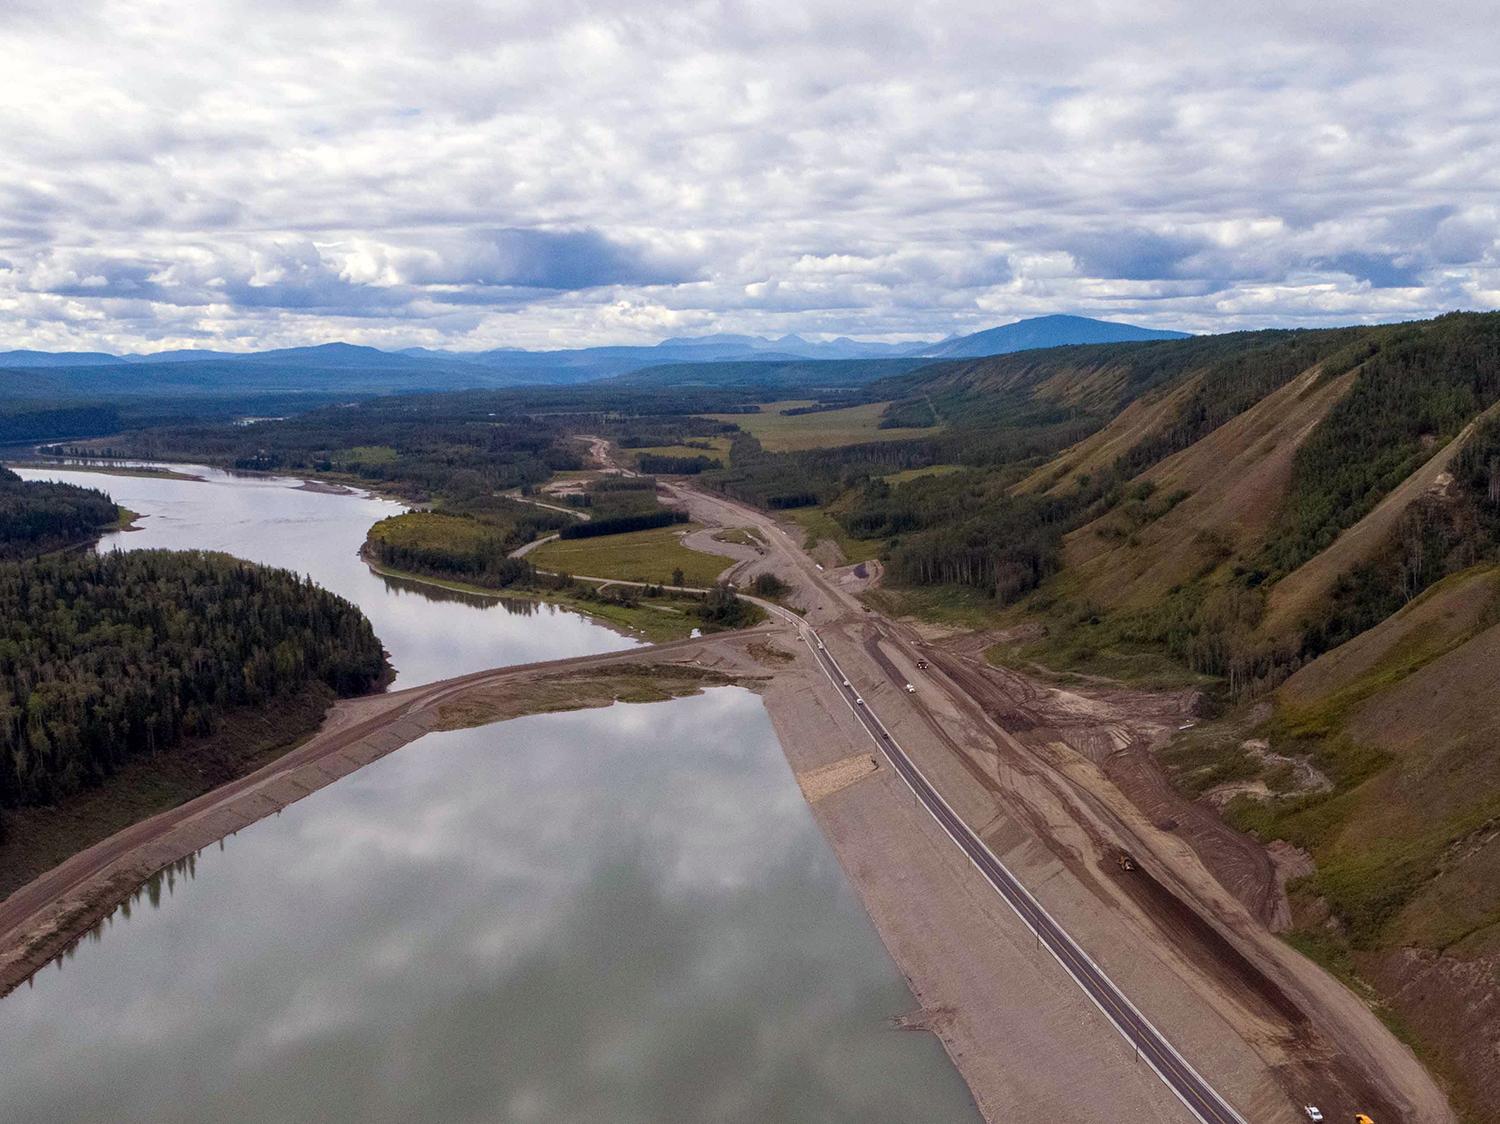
[1039,331]
[344,368]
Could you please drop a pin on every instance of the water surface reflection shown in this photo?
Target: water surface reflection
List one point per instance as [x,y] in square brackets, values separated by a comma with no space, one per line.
[430,632]
[622,915]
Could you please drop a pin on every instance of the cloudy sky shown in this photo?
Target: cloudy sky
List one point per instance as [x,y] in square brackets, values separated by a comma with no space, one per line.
[568,172]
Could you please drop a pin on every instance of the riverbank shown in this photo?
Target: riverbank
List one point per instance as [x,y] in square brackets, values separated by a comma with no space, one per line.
[40,920]
[651,621]
[103,468]
[37,839]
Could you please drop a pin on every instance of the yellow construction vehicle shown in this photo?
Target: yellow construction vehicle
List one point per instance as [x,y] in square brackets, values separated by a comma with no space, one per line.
[1361,1118]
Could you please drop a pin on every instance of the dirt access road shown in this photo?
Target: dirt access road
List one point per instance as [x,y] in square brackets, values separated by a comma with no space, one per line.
[1267,1027]
[42,918]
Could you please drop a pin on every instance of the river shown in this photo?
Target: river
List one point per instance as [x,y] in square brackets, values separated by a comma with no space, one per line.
[429,632]
[624,915]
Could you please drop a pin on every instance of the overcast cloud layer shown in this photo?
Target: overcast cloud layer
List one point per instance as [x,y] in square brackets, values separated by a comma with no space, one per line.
[564,173]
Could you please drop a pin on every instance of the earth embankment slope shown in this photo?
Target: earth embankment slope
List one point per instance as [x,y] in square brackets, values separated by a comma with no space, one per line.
[1407,887]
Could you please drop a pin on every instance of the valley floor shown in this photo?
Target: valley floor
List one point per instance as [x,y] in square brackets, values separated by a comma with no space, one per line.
[1055,787]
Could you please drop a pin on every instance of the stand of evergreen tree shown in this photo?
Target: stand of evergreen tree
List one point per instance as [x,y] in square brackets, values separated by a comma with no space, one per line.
[37,516]
[106,657]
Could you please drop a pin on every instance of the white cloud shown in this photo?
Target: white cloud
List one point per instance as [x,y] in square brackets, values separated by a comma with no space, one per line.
[525,173]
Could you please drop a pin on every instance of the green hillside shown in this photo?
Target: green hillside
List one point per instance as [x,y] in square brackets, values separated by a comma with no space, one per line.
[1306,526]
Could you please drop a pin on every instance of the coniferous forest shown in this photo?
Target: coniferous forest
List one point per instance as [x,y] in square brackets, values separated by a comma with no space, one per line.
[36,516]
[105,657]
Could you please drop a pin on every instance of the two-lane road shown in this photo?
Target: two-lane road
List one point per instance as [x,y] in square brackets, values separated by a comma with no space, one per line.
[1201,1099]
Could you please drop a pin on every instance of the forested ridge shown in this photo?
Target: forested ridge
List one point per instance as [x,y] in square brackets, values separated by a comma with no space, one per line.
[1414,387]
[37,516]
[106,657]
[417,447]
[452,447]
[1416,391]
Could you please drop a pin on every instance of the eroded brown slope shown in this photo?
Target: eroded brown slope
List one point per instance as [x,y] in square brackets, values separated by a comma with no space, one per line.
[1299,593]
[1234,480]
[1143,418]
[1408,879]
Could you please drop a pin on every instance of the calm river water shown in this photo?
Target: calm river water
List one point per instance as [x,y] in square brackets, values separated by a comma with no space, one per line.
[622,915]
[429,632]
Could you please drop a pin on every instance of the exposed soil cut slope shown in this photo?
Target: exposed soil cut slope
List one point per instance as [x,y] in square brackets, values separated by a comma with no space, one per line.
[1297,594]
[1139,420]
[1234,480]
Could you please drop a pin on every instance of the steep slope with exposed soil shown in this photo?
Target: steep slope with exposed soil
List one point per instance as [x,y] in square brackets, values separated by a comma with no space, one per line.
[1216,499]
[1407,886]
[1319,551]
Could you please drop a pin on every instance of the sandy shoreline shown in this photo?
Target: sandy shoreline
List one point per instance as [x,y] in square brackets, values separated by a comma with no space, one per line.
[39,921]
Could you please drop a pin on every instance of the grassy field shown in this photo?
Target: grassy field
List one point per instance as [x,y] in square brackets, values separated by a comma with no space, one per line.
[719,447]
[959,606]
[918,473]
[820,525]
[854,425]
[742,536]
[648,556]
[368,454]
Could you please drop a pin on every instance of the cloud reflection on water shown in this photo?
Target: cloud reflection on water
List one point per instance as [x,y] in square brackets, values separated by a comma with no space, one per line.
[623,915]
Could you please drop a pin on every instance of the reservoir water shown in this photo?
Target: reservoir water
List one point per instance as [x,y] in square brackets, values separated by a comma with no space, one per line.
[623,915]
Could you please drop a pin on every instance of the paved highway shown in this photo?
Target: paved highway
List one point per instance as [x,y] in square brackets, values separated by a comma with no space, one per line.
[1201,1099]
